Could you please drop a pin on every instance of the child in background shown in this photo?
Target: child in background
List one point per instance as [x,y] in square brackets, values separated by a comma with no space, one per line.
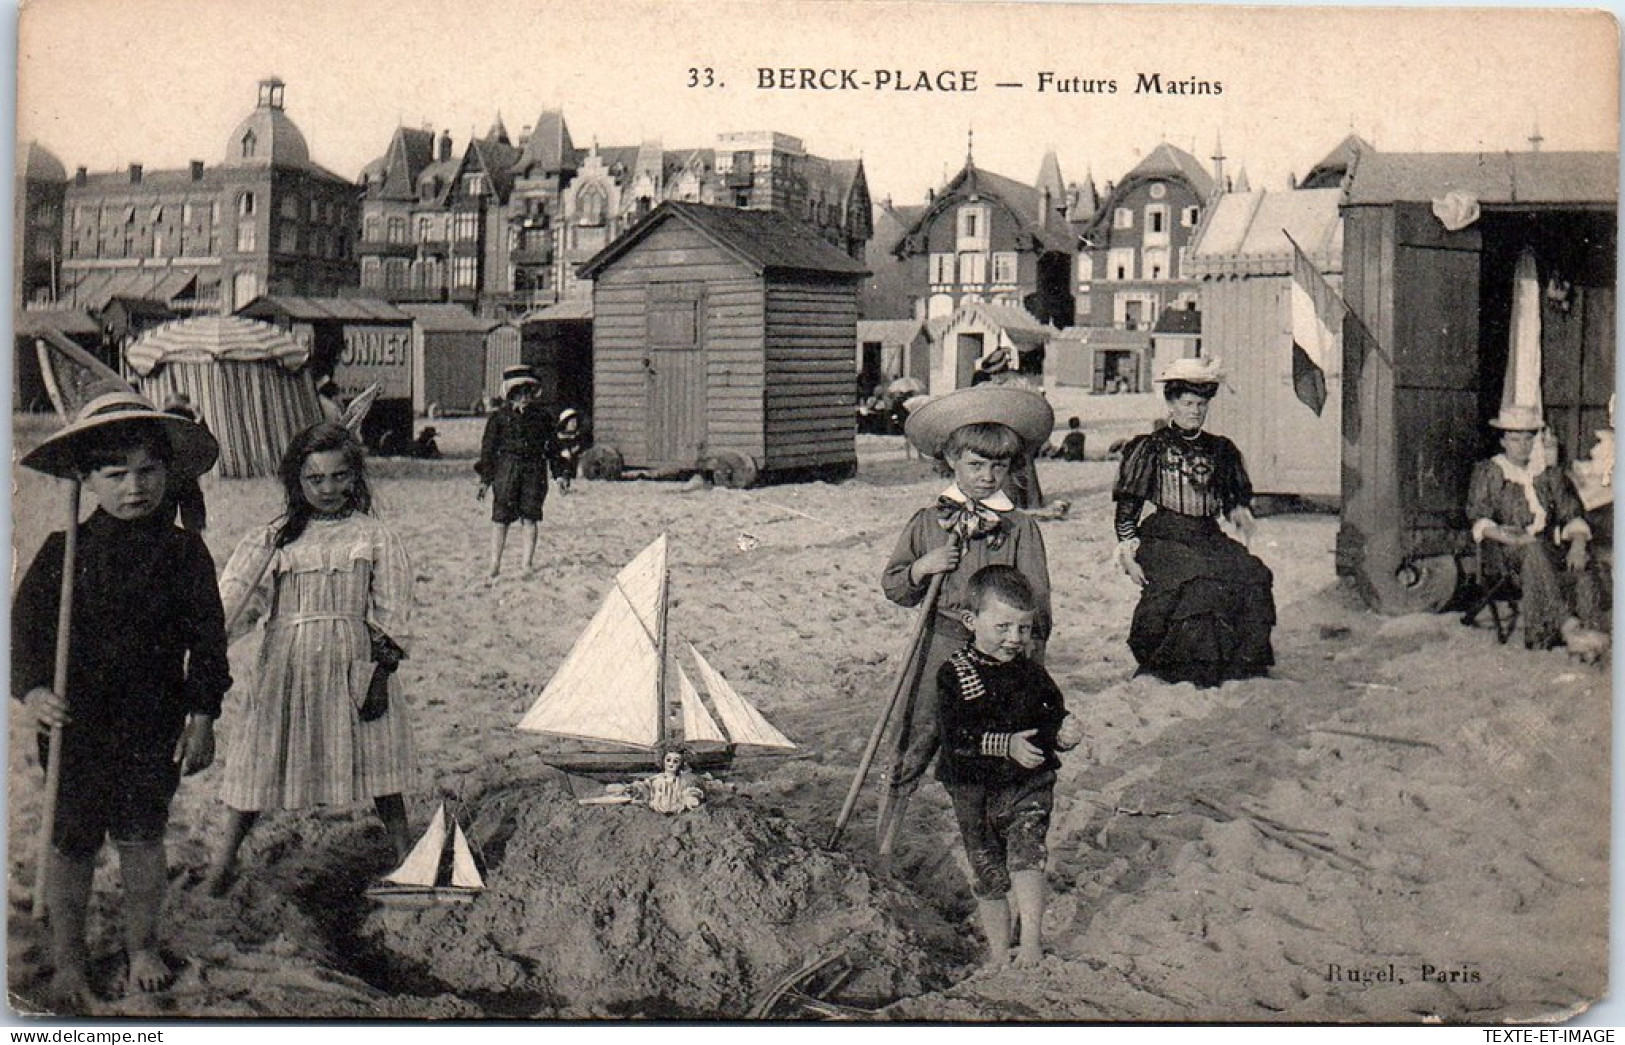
[1072,443]
[514,454]
[978,433]
[185,494]
[146,672]
[568,439]
[325,722]
[1002,720]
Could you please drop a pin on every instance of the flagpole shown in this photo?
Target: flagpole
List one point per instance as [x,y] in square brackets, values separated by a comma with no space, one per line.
[59,686]
[1365,335]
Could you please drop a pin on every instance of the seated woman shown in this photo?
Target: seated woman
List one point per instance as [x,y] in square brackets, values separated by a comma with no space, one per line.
[1523,511]
[1207,606]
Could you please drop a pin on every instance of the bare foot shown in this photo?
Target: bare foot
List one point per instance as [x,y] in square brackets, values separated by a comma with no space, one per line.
[1029,956]
[996,960]
[147,973]
[69,993]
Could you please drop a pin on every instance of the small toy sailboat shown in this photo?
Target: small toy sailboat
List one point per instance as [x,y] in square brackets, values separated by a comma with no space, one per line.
[418,882]
[612,688]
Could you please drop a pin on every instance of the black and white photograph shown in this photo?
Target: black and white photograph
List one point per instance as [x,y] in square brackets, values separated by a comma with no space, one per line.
[811,511]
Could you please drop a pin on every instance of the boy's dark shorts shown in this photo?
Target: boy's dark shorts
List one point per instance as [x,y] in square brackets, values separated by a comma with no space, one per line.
[1003,827]
[518,489]
[113,793]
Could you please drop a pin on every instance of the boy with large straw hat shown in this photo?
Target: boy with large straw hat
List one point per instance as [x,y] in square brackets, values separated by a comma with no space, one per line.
[978,433]
[146,671]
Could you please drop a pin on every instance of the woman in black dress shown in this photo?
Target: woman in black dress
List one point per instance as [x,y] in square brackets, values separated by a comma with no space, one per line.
[1206,606]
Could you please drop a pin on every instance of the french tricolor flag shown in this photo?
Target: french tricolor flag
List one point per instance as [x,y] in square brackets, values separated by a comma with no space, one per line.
[1317,329]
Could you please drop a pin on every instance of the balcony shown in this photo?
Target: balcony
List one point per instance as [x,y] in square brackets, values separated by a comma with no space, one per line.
[385,249]
[532,256]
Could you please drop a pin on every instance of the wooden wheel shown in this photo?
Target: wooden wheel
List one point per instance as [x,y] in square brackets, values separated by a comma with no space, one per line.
[602,462]
[733,469]
[1421,585]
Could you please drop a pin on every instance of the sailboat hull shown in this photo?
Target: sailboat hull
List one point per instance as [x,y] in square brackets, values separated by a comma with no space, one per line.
[591,762]
[418,897]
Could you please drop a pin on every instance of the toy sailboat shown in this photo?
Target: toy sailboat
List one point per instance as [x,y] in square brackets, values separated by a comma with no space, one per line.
[612,688]
[418,882]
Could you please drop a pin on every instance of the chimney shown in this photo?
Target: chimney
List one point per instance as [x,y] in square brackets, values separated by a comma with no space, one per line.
[79,175]
[197,170]
[135,174]
[445,147]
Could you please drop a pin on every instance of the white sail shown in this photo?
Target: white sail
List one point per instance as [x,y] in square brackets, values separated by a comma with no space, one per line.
[697,722]
[463,872]
[745,725]
[608,687]
[423,862]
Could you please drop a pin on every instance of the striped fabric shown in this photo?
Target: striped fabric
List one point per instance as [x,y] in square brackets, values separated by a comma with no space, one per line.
[246,380]
[299,741]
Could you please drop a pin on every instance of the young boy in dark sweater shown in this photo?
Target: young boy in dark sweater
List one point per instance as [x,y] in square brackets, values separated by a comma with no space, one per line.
[146,672]
[1002,720]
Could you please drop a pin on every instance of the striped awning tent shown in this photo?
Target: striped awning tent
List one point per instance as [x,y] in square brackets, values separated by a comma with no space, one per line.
[247,381]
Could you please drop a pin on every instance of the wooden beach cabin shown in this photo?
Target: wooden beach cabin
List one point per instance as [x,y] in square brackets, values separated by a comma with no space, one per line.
[448,358]
[355,342]
[1430,242]
[722,342]
[1243,260]
[556,343]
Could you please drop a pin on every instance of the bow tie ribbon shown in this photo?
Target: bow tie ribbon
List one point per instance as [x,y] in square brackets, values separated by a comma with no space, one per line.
[971,521]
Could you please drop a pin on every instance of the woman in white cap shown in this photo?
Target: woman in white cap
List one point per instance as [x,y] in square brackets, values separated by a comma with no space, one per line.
[1206,606]
[1524,511]
[514,452]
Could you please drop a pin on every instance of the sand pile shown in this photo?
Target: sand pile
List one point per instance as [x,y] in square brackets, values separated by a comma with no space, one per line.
[621,911]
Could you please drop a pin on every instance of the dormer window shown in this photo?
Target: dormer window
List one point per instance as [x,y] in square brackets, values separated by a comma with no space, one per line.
[249,144]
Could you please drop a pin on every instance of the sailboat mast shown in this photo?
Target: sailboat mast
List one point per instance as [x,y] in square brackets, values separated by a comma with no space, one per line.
[660,671]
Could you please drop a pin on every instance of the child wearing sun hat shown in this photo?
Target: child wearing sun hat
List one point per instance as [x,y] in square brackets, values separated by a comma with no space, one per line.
[978,433]
[146,671]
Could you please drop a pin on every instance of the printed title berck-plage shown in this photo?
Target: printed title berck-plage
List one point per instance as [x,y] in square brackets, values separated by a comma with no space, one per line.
[1048,81]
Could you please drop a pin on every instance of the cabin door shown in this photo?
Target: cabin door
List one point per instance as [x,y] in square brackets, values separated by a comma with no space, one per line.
[674,373]
[1437,366]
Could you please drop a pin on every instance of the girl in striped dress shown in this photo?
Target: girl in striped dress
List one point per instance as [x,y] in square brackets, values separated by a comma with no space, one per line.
[325,723]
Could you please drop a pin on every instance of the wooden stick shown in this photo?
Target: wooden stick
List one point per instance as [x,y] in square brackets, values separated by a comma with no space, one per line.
[905,680]
[59,685]
[248,593]
[1276,834]
[1382,737]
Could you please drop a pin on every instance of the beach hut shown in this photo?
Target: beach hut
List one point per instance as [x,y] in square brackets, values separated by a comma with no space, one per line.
[448,358]
[1430,245]
[722,342]
[556,343]
[356,343]
[986,337]
[1243,257]
[503,349]
[249,382]
[889,349]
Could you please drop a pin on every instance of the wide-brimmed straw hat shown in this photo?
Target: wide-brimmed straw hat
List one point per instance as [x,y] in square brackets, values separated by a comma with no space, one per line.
[1193,371]
[1518,419]
[1023,411]
[193,450]
[517,377]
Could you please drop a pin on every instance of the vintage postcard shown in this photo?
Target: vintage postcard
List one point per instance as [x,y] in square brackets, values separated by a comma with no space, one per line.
[852,511]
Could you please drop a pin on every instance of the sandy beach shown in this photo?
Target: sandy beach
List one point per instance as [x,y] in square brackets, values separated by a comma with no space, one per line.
[1406,822]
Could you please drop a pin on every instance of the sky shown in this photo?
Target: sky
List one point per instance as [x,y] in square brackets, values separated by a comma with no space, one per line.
[104,83]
